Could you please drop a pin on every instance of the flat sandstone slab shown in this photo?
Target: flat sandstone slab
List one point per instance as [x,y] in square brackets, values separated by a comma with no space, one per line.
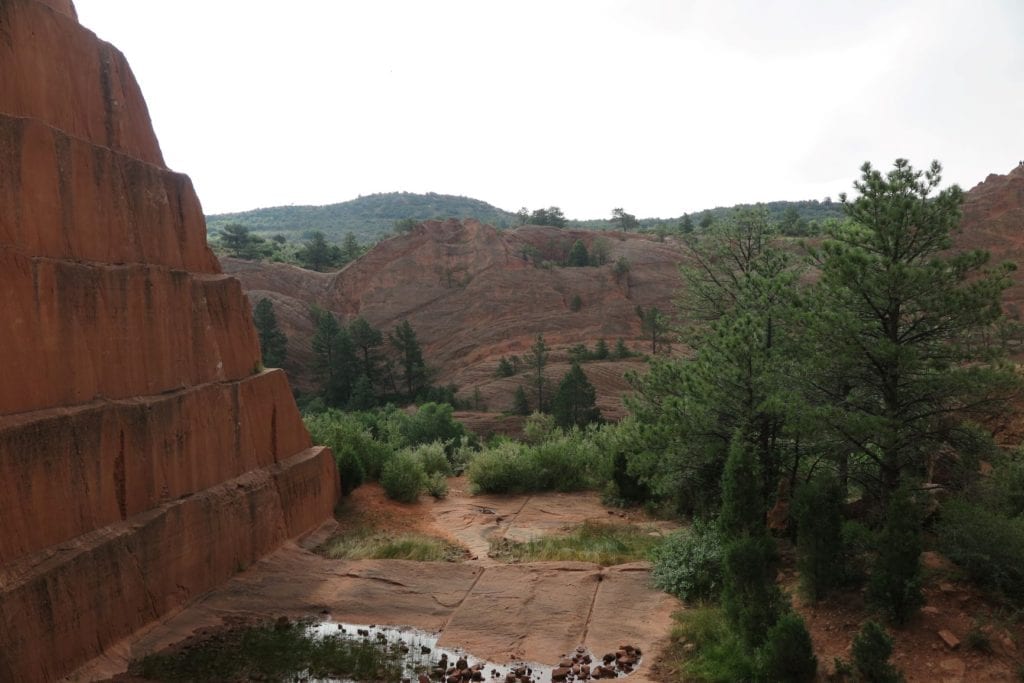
[534,612]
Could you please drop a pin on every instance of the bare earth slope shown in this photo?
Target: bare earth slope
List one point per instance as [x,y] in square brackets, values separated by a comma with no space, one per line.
[144,458]
[473,296]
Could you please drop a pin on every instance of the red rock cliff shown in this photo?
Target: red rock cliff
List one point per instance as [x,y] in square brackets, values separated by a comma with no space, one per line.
[144,456]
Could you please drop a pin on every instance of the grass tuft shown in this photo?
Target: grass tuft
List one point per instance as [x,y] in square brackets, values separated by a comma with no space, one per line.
[598,542]
[364,544]
[704,648]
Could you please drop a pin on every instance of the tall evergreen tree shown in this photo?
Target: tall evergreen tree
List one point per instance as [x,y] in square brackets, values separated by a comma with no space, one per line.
[367,340]
[414,369]
[653,324]
[898,325]
[273,342]
[575,401]
[335,358]
[538,361]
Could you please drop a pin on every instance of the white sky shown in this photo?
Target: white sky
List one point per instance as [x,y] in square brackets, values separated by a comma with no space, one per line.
[658,106]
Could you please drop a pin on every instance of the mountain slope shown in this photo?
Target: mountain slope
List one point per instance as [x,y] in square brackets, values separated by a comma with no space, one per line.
[368,218]
[472,296]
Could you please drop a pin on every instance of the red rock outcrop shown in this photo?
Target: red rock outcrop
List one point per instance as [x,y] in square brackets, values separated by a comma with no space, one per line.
[145,456]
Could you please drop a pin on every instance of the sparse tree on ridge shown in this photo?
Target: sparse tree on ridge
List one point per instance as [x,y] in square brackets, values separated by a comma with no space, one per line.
[625,221]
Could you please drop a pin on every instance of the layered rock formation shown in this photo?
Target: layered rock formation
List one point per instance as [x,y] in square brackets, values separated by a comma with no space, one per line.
[145,456]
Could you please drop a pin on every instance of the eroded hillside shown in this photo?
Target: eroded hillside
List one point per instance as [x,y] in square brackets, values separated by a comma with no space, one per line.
[475,294]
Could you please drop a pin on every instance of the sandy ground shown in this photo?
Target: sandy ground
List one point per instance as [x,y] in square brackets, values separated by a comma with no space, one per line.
[536,611]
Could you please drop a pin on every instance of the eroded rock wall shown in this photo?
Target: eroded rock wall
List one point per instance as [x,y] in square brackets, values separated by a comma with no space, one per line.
[145,457]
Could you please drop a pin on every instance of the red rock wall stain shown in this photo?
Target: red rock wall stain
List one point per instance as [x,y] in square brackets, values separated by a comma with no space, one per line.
[144,455]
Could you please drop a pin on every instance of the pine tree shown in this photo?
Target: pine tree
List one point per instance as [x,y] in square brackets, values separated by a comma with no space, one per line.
[578,256]
[601,350]
[895,582]
[367,340]
[335,358]
[520,404]
[818,509]
[505,368]
[273,342]
[350,250]
[898,324]
[574,404]
[538,360]
[653,324]
[742,503]
[317,254]
[414,369]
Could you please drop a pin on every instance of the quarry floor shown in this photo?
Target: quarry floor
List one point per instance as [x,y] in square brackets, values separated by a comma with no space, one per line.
[493,610]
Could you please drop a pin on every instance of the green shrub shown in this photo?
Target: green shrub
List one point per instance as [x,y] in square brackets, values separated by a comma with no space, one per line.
[502,469]
[437,485]
[871,650]
[433,458]
[751,599]
[403,477]
[986,544]
[569,462]
[358,454]
[689,563]
[718,654]
[538,428]
[788,653]
[895,582]
[818,509]
[432,422]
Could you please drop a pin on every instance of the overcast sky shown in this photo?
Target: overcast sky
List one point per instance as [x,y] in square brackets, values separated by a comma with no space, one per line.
[658,106]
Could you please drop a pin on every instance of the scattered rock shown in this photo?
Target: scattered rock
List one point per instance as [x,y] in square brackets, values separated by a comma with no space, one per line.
[930,610]
[951,641]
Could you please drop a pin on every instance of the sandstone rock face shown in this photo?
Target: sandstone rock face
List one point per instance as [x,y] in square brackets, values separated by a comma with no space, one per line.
[144,455]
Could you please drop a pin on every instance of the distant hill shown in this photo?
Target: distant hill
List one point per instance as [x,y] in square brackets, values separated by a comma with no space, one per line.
[372,217]
[369,218]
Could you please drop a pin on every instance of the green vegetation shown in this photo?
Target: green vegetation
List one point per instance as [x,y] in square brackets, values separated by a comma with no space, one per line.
[552,216]
[537,361]
[689,563]
[425,443]
[987,544]
[276,651]
[368,218]
[366,544]
[717,655]
[273,342]
[871,650]
[788,654]
[597,542]
[573,461]
[818,510]
[403,477]
[574,403]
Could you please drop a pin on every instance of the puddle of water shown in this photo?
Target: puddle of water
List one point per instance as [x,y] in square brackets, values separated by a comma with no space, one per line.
[423,656]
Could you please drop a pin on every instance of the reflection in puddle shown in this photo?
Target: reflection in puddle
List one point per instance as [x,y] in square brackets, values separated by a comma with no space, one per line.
[424,661]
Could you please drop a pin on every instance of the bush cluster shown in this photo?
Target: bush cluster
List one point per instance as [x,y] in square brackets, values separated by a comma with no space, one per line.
[988,545]
[689,563]
[560,462]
